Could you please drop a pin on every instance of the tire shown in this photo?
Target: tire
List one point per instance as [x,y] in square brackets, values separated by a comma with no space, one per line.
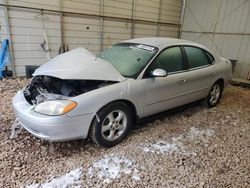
[214,95]
[111,125]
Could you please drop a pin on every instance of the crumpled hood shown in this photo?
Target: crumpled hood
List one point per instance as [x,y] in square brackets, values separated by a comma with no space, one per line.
[79,64]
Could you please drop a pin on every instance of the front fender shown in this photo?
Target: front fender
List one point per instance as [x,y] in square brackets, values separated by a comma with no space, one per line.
[93,101]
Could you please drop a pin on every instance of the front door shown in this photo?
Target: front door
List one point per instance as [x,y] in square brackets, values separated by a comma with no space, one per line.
[162,93]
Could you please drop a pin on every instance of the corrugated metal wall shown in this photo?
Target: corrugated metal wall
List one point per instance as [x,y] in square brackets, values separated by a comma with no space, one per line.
[91,32]
[223,26]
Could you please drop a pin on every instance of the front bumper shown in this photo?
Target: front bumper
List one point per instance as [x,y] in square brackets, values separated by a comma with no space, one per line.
[51,128]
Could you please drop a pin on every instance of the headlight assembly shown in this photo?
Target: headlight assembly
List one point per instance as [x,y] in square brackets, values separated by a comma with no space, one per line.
[55,107]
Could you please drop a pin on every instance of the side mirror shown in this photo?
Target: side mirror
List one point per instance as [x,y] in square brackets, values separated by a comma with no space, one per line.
[159,73]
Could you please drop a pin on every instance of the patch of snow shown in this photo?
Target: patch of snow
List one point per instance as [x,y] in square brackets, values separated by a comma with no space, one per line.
[135,175]
[16,128]
[69,179]
[195,135]
[111,167]
[160,147]
[177,144]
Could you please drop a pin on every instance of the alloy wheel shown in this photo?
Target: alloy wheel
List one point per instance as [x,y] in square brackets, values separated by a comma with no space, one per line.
[114,125]
[214,94]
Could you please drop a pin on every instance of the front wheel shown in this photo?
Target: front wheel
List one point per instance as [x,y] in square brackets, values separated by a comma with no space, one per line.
[214,95]
[111,125]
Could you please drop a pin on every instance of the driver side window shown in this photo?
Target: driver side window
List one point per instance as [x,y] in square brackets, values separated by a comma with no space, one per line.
[169,59]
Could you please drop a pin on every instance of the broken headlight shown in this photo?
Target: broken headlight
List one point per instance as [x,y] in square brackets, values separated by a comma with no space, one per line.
[55,107]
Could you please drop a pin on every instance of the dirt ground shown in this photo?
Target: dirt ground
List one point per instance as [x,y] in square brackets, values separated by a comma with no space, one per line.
[193,147]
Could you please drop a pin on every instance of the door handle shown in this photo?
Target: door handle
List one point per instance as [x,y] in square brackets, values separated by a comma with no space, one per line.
[182,81]
[212,73]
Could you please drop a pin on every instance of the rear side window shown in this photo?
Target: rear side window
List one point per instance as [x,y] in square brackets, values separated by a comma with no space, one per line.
[211,58]
[196,57]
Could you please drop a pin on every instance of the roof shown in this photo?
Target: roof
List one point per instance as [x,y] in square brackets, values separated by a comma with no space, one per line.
[154,41]
[164,42]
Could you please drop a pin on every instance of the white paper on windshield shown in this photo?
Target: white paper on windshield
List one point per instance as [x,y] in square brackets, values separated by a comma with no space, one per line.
[144,47]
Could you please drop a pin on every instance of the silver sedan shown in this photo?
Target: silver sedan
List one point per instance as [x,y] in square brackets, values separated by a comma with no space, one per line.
[78,95]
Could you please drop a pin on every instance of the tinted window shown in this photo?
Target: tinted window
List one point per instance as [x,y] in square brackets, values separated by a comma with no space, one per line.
[196,57]
[210,57]
[170,60]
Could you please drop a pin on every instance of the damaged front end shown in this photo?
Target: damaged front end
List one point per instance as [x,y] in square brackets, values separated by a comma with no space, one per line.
[43,88]
[58,87]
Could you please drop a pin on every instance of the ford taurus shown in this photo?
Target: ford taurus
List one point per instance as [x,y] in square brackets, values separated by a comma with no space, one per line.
[78,95]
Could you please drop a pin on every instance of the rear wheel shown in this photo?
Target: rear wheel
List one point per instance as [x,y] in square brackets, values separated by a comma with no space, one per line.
[214,95]
[111,125]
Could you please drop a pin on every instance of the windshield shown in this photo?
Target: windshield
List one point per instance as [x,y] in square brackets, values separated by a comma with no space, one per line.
[128,58]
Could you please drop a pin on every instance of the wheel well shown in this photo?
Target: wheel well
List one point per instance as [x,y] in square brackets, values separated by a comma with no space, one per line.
[129,104]
[132,107]
[221,82]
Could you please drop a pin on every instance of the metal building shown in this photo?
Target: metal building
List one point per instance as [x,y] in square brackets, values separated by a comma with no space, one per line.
[223,26]
[94,24]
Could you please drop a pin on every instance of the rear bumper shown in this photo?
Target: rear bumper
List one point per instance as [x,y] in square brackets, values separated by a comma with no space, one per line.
[51,128]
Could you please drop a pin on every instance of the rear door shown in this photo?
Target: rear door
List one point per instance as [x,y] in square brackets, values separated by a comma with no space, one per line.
[201,72]
[163,93]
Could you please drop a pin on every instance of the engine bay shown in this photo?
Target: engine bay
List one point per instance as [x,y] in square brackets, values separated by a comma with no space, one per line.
[44,88]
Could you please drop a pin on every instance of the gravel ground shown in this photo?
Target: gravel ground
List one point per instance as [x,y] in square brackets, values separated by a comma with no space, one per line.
[194,147]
